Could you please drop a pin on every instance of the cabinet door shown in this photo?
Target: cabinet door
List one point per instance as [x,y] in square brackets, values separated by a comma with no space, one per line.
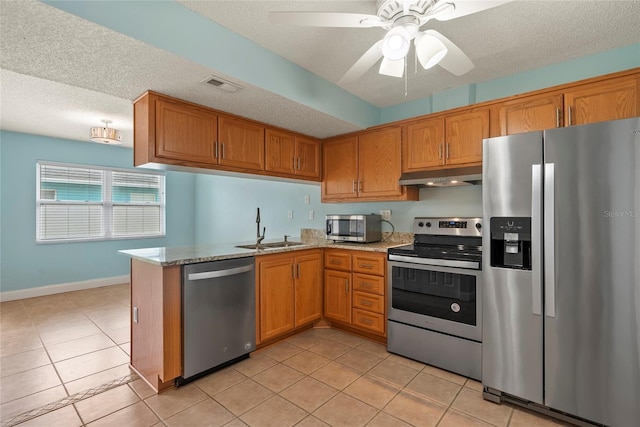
[337,295]
[307,157]
[424,145]
[276,296]
[280,150]
[607,100]
[184,132]
[240,143]
[464,134]
[379,163]
[531,113]
[340,168]
[308,288]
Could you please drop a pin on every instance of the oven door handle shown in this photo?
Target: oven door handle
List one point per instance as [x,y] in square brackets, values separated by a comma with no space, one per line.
[474,265]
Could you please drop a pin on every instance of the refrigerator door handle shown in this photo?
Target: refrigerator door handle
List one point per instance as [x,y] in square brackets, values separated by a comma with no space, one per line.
[536,239]
[549,239]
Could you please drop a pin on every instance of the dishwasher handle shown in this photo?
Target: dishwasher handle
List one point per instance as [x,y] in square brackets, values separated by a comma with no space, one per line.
[219,273]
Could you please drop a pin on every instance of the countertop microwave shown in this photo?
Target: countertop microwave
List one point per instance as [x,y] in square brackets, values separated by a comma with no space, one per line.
[354,228]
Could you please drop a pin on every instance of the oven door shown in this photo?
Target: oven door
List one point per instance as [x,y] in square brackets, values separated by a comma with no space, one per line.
[441,299]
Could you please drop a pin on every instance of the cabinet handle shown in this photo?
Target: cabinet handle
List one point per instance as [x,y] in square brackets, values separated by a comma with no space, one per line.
[359,186]
[366,321]
[216,149]
[365,302]
[346,286]
[439,151]
[299,163]
[369,266]
[557,117]
[366,285]
[135,314]
[570,118]
[447,151]
[354,185]
[222,150]
[335,262]
[294,163]
[298,269]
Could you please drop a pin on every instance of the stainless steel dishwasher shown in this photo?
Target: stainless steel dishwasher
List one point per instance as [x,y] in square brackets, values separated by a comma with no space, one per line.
[218,315]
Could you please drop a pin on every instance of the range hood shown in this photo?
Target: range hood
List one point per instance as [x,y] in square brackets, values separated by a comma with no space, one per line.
[454,177]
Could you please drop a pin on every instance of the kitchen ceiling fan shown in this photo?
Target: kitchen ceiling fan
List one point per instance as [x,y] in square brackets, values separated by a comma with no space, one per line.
[402,19]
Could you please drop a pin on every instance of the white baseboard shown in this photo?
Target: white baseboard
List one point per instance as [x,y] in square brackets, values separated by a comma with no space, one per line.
[63,287]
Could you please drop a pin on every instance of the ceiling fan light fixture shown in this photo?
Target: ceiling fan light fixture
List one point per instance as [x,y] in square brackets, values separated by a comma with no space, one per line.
[105,135]
[392,68]
[429,49]
[396,45]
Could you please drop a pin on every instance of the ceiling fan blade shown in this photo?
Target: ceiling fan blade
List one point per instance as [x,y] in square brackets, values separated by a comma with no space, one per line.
[455,61]
[326,19]
[363,64]
[467,7]
[392,68]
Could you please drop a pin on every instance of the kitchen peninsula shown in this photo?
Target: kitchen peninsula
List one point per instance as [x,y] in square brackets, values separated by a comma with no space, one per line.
[291,274]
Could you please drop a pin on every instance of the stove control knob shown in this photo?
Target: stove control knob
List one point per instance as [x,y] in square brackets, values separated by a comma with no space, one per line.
[421,224]
[428,224]
[478,226]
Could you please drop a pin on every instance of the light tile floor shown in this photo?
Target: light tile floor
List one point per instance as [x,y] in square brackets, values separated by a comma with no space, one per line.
[55,346]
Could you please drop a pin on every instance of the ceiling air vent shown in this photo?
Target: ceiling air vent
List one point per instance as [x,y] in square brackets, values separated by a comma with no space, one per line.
[221,83]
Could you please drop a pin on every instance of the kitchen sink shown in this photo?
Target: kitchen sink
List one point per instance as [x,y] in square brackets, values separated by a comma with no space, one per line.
[272,245]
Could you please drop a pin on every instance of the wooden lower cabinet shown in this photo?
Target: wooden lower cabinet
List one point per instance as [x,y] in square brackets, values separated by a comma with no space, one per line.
[354,289]
[337,295]
[156,327]
[289,292]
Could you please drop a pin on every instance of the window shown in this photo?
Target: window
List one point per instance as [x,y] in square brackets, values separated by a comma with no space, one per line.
[93,203]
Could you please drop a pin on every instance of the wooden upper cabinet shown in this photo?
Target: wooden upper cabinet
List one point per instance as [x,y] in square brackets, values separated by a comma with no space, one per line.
[531,113]
[340,174]
[604,100]
[424,145]
[379,163]
[291,154]
[184,132]
[365,167]
[308,157]
[464,133]
[280,151]
[240,143]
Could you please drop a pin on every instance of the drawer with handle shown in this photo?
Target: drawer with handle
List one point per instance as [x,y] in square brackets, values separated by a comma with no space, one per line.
[370,302]
[369,264]
[368,283]
[337,260]
[371,321]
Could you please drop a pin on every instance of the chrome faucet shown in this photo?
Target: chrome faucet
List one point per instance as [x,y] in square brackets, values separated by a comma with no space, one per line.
[264,229]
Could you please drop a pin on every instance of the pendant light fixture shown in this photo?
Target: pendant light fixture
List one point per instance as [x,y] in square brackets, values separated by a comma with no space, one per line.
[105,135]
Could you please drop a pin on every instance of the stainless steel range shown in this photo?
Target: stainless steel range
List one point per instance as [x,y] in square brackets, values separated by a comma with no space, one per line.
[435,295]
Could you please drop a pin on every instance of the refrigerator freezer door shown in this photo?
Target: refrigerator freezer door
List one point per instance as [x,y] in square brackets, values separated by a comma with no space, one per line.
[512,347]
[592,345]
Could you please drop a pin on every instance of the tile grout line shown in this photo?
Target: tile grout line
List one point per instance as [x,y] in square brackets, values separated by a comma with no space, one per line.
[69,400]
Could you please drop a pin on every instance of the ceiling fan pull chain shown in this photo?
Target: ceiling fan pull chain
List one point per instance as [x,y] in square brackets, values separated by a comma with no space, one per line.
[406,77]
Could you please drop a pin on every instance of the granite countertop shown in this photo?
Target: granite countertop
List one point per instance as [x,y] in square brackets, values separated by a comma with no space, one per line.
[166,256]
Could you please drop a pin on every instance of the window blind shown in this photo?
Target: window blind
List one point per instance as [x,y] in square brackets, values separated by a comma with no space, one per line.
[89,203]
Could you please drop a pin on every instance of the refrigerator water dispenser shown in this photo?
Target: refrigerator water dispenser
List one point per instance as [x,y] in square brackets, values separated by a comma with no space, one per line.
[511,242]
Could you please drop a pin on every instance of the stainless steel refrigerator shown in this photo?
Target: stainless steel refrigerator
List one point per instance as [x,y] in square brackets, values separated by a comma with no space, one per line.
[561,271]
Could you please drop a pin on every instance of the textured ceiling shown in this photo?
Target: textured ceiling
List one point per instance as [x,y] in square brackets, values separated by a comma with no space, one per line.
[61,74]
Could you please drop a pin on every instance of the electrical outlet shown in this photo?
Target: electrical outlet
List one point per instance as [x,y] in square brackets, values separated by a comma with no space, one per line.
[307,199]
[290,214]
[311,215]
[385,214]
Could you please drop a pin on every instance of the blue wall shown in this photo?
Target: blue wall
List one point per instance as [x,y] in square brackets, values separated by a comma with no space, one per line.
[25,264]
[226,207]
